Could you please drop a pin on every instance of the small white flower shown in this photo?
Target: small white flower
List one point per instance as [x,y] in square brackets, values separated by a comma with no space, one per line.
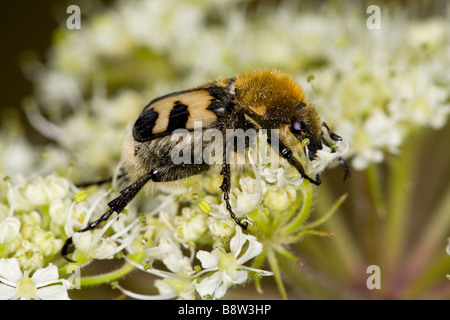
[173,285]
[378,132]
[47,242]
[29,255]
[96,247]
[43,284]
[281,177]
[30,196]
[41,191]
[183,289]
[58,211]
[9,229]
[17,156]
[280,199]
[252,194]
[228,267]
[426,35]
[171,255]
[220,211]
[326,157]
[56,187]
[190,226]
[30,223]
[221,228]
[169,288]
[95,244]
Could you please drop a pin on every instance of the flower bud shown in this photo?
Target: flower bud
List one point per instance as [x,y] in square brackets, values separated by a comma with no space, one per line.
[221,228]
[191,225]
[56,187]
[103,250]
[58,210]
[30,222]
[29,256]
[9,229]
[279,199]
[252,194]
[47,242]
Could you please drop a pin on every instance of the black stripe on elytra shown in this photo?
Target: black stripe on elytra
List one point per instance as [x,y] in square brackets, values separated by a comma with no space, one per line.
[178,117]
[223,102]
[143,127]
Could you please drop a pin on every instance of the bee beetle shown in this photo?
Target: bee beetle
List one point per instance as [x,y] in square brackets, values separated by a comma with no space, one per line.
[263,99]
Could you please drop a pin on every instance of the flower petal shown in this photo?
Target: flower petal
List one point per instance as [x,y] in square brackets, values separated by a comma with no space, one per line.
[237,242]
[209,285]
[7,292]
[254,249]
[53,292]
[220,291]
[237,277]
[207,259]
[10,270]
[45,275]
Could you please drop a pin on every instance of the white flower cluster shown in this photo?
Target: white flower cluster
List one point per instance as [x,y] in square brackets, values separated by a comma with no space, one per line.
[36,217]
[262,201]
[379,92]
[25,232]
[221,269]
[31,236]
[373,87]
[39,215]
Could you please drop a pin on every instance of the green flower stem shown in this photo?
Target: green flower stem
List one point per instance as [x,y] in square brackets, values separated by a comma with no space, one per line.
[281,250]
[295,274]
[301,234]
[307,192]
[433,275]
[273,262]
[343,248]
[375,188]
[399,196]
[113,275]
[373,214]
[303,279]
[257,263]
[326,216]
[433,238]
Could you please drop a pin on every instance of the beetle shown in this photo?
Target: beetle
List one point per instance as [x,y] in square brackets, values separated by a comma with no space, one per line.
[262,99]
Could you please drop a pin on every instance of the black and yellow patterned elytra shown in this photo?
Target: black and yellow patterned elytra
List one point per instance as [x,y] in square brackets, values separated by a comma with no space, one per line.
[180,110]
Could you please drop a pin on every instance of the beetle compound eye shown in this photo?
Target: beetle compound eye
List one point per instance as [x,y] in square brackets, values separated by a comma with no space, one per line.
[298,126]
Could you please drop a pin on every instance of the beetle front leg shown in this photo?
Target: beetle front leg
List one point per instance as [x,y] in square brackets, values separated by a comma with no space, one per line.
[287,154]
[225,187]
[226,181]
[115,205]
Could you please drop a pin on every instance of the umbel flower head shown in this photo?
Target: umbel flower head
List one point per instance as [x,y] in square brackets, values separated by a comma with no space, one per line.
[376,88]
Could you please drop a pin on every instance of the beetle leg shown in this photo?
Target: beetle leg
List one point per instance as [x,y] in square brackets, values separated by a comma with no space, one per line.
[168,173]
[116,205]
[287,154]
